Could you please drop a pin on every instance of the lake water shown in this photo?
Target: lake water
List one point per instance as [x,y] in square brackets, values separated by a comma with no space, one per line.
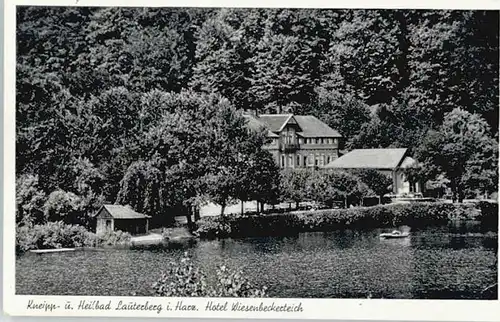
[445,262]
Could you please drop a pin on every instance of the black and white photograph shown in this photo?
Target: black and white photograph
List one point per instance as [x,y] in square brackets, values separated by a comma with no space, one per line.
[284,153]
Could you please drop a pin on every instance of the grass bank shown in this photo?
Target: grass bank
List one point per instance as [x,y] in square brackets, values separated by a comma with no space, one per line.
[392,215]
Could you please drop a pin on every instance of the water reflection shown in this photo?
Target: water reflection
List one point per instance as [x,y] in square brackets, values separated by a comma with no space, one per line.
[456,261]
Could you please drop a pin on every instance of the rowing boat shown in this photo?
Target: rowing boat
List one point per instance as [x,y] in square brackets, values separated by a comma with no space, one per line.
[394,234]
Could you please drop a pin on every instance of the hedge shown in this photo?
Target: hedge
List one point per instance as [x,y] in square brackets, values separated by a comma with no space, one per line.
[392,215]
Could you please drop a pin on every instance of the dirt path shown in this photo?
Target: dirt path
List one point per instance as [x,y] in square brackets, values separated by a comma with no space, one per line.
[152,237]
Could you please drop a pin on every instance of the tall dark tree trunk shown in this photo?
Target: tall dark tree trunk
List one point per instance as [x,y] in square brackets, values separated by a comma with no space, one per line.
[223,208]
[189,218]
[461,195]
[454,191]
[196,214]
[258,207]
[297,205]
[242,208]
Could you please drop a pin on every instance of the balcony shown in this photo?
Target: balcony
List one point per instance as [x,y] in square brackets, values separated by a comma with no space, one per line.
[289,147]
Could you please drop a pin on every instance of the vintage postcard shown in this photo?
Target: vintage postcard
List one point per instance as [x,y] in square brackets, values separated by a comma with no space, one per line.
[251,160]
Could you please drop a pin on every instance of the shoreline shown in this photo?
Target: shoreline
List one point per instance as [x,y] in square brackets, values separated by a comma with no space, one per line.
[292,223]
[381,216]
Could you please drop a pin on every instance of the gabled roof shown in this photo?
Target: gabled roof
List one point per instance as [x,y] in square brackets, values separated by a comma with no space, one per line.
[313,127]
[275,122]
[387,159]
[309,126]
[257,125]
[122,212]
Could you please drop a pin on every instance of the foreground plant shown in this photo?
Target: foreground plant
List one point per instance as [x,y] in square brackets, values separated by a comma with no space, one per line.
[184,279]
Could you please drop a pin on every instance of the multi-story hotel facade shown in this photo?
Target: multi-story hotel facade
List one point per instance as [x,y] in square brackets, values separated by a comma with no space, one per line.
[298,141]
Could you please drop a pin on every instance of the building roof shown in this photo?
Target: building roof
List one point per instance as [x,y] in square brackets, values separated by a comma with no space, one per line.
[123,212]
[274,121]
[309,125]
[388,159]
[313,127]
[257,125]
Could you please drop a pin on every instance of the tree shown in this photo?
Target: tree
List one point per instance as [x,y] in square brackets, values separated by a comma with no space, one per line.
[261,179]
[364,55]
[462,151]
[378,182]
[328,187]
[342,184]
[221,59]
[281,78]
[293,185]
[239,168]
[63,206]
[29,200]
[449,52]
[342,112]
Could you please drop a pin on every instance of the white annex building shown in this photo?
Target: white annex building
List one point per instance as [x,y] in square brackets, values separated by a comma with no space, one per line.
[391,162]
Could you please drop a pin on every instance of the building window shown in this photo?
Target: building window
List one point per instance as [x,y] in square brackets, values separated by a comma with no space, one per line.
[311,158]
[282,161]
[304,159]
[330,141]
[290,161]
[327,160]
[298,161]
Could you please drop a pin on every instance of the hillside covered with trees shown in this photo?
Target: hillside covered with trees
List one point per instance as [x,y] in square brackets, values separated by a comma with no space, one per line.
[142,106]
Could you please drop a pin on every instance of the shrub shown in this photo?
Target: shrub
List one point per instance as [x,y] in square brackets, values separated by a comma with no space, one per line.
[392,215]
[29,200]
[113,238]
[183,279]
[52,235]
[62,205]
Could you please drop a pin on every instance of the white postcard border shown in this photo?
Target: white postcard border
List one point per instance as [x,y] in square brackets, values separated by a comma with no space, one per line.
[344,309]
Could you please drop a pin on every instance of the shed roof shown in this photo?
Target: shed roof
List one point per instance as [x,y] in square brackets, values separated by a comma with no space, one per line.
[370,159]
[123,212]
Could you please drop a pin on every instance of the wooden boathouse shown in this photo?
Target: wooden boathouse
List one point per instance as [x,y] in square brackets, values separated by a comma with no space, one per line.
[124,218]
